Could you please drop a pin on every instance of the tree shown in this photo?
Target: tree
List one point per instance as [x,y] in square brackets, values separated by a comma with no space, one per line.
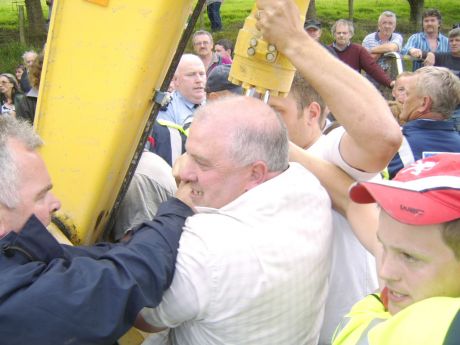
[351,9]
[416,9]
[37,27]
[311,12]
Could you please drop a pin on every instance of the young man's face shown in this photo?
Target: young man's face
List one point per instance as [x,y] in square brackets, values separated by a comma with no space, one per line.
[220,50]
[454,44]
[416,263]
[296,123]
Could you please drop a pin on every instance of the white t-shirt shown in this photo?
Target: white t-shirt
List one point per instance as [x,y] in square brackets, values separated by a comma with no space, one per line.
[254,271]
[353,272]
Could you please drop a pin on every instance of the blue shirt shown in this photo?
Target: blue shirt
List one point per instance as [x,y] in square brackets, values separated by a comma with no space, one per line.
[420,41]
[179,110]
[373,40]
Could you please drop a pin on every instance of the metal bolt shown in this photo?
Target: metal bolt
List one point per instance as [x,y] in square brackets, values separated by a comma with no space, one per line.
[271,48]
[253,42]
[251,51]
[270,57]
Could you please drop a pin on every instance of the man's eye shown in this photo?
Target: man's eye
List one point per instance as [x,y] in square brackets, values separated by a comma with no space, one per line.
[409,257]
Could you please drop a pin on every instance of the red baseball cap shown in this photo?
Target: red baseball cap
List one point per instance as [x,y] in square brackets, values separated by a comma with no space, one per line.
[426,192]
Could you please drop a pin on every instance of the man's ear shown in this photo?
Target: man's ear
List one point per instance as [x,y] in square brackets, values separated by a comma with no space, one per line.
[258,174]
[212,96]
[3,230]
[426,104]
[312,113]
[315,111]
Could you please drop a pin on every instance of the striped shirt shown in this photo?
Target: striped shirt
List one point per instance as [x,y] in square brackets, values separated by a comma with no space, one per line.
[420,41]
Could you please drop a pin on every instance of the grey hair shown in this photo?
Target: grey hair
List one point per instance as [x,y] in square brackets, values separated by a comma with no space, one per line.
[442,86]
[29,52]
[202,32]
[388,14]
[262,141]
[11,128]
[350,25]
[267,143]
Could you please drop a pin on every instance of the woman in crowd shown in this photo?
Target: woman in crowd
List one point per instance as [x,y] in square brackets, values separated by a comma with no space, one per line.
[10,94]
[26,107]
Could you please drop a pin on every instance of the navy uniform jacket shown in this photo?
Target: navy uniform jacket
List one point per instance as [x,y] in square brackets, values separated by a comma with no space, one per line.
[424,137]
[57,294]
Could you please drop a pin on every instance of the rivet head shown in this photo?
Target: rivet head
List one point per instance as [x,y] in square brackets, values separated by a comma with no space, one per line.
[270,57]
[251,51]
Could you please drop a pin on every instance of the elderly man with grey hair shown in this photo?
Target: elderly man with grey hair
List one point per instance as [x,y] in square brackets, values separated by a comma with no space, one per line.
[56,294]
[385,39]
[28,57]
[355,55]
[254,261]
[433,93]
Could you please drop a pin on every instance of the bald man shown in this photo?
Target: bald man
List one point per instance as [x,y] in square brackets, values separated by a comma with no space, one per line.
[189,82]
[254,261]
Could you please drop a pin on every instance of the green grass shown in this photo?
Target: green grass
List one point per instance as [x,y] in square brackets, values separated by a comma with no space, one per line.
[234,13]
[10,49]
[328,11]
[9,13]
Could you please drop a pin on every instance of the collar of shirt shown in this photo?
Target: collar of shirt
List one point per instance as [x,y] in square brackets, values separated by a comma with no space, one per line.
[188,104]
[425,37]
[378,39]
[34,240]
[341,50]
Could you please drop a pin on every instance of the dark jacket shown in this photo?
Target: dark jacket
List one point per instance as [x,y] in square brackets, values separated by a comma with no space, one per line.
[57,294]
[25,109]
[422,138]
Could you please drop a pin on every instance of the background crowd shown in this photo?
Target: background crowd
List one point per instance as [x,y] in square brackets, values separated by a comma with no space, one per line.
[277,250]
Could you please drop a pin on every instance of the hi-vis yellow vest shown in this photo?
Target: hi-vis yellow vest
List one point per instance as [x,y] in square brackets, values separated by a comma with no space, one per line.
[424,323]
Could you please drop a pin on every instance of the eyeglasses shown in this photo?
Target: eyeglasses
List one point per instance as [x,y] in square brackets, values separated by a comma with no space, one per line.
[5,82]
[456,26]
[204,43]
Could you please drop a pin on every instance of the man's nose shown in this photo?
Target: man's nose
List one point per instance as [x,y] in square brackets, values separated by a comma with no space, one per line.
[388,268]
[55,204]
[187,169]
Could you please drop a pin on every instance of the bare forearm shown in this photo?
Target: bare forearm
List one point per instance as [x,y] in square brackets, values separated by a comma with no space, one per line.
[363,219]
[331,177]
[373,136]
[385,48]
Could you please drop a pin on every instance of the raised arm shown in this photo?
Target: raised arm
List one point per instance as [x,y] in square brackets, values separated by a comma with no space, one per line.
[373,136]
